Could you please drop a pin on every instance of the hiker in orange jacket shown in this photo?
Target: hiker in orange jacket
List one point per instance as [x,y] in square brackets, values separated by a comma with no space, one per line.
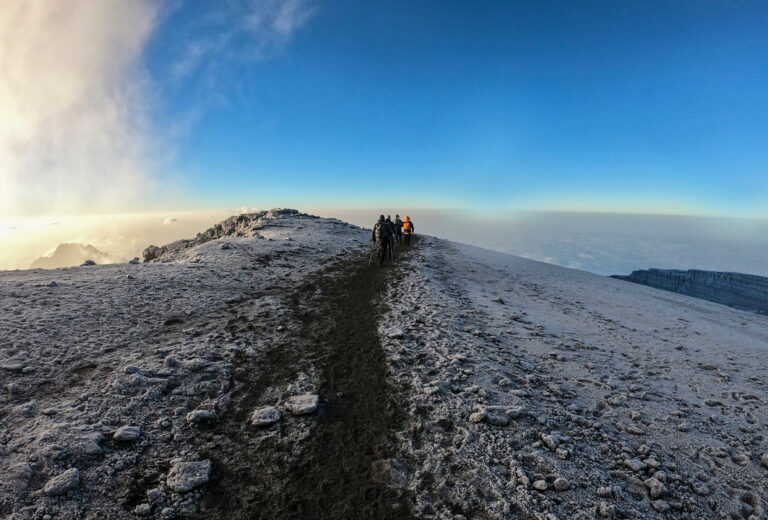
[408,230]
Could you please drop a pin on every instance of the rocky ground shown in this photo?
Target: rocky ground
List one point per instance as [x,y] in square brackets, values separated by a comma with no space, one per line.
[542,392]
[265,370]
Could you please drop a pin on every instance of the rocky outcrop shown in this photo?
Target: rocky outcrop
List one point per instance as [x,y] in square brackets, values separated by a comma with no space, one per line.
[742,291]
[245,225]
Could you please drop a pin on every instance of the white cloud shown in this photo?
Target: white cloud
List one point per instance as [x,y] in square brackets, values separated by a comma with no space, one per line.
[77,102]
[74,104]
[237,31]
[273,22]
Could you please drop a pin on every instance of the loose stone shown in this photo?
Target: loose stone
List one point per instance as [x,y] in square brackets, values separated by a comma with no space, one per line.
[62,483]
[127,433]
[604,491]
[198,416]
[550,440]
[655,488]
[478,416]
[265,416]
[635,465]
[143,509]
[185,476]
[303,404]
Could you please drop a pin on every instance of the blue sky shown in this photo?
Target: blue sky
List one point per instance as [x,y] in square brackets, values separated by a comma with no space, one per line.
[654,106]
[598,105]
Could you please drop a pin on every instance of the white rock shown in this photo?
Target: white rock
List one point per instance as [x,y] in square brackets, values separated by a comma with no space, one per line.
[478,416]
[560,484]
[127,433]
[185,476]
[604,491]
[550,440]
[265,416]
[764,460]
[143,509]
[62,483]
[541,485]
[655,488]
[303,404]
[198,416]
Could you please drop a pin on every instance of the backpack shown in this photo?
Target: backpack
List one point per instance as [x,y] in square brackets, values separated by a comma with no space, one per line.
[407,226]
[381,231]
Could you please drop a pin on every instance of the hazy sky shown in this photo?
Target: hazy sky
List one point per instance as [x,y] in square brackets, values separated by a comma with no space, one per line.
[655,106]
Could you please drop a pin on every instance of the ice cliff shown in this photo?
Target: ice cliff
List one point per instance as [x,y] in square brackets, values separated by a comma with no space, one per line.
[743,291]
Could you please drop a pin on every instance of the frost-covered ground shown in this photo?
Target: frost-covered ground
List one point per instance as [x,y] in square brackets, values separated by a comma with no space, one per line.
[243,377]
[543,392]
[165,347]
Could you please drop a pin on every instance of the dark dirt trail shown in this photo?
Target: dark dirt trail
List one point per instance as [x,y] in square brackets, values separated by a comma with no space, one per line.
[332,476]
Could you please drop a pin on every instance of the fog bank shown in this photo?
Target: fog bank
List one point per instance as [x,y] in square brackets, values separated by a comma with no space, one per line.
[600,243]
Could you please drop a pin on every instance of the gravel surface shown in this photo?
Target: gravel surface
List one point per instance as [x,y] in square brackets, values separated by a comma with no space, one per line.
[265,370]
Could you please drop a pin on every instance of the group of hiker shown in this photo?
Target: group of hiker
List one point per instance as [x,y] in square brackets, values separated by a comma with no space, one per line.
[387,234]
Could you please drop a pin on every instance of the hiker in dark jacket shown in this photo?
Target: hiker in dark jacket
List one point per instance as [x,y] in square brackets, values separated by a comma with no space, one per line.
[392,237]
[391,224]
[382,234]
[398,228]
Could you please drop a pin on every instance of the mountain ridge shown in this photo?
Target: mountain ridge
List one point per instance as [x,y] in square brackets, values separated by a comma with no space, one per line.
[738,290]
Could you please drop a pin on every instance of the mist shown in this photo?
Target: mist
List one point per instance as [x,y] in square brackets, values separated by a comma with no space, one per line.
[117,236]
[74,105]
[600,243]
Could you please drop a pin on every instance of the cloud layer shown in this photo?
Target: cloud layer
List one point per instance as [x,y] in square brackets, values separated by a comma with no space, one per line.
[75,103]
